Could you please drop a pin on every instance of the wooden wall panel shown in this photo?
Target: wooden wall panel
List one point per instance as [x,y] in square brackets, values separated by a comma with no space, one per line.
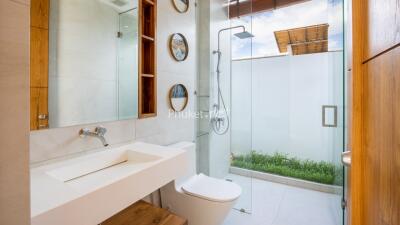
[375,110]
[383,29]
[40,57]
[382,140]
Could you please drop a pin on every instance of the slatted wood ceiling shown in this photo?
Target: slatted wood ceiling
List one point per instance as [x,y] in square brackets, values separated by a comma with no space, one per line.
[247,7]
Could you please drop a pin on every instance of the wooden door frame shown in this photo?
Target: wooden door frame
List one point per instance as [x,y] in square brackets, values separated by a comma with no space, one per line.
[359,9]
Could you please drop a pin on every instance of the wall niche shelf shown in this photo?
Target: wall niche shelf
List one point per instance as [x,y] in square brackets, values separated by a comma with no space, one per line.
[147,61]
[147,38]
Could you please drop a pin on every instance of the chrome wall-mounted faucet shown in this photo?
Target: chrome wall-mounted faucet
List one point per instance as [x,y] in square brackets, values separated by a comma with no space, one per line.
[98,132]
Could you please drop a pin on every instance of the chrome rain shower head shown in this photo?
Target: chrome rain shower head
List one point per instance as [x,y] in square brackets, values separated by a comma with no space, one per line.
[244,35]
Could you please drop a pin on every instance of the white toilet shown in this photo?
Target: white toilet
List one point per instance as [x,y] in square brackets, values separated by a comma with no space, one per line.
[200,199]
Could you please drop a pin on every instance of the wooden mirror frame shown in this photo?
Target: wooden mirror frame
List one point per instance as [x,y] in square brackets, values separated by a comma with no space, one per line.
[170,97]
[186,46]
[177,9]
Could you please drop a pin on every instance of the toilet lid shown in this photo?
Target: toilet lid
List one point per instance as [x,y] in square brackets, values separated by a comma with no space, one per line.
[212,189]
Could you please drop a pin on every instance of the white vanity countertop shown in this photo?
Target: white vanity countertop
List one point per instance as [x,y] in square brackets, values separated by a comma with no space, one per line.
[89,189]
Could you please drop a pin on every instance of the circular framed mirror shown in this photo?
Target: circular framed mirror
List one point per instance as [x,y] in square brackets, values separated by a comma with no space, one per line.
[178,47]
[178,97]
[181,6]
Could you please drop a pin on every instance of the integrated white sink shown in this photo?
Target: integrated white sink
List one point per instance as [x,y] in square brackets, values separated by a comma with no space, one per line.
[100,162]
[87,190]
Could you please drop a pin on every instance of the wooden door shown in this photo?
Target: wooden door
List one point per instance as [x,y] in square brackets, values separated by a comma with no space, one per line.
[375,113]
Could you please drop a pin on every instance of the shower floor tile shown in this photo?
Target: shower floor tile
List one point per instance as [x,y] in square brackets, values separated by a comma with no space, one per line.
[268,203]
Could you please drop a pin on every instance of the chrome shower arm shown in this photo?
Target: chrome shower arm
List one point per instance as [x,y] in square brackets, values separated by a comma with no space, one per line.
[225,29]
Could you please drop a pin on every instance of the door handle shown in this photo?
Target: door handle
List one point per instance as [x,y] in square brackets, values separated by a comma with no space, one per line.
[326,121]
[346,158]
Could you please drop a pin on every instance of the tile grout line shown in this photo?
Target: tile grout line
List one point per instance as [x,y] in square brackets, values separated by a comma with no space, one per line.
[280,205]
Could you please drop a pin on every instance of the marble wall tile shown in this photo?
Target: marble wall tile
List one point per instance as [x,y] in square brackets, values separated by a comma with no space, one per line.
[213,17]
[59,142]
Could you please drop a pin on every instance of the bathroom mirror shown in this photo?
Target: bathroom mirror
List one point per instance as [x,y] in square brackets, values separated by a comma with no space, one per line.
[181,6]
[92,63]
[178,47]
[178,97]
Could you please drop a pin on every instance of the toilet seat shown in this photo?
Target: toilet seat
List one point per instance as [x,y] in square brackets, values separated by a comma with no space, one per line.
[211,189]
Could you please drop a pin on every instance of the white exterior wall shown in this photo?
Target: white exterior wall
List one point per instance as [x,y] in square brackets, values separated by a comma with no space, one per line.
[277,105]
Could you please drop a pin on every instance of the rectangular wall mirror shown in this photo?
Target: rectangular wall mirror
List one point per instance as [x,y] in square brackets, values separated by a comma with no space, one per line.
[84,62]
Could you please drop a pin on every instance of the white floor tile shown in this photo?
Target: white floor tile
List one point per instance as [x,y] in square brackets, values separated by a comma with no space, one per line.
[245,200]
[278,204]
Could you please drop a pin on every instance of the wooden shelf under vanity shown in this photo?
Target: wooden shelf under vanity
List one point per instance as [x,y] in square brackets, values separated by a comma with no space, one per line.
[143,213]
[147,59]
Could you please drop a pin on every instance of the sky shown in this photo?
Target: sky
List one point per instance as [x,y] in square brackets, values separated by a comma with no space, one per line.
[263,25]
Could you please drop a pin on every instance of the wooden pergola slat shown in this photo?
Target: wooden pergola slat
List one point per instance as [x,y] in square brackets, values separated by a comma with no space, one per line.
[303,40]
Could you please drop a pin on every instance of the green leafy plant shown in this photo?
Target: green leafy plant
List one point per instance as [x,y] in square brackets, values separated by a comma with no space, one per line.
[282,164]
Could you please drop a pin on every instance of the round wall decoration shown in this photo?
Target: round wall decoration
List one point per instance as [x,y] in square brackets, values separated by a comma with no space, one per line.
[179,47]
[181,6]
[178,97]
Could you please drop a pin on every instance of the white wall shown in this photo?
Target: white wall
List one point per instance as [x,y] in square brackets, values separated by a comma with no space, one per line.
[213,150]
[203,86]
[14,108]
[277,105]
[163,129]
[83,62]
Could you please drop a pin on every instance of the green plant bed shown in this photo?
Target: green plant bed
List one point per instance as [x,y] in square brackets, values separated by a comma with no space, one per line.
[282,164]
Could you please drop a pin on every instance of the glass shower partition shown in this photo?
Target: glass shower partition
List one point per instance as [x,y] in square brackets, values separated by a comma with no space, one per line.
[288,106]
[241,116]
